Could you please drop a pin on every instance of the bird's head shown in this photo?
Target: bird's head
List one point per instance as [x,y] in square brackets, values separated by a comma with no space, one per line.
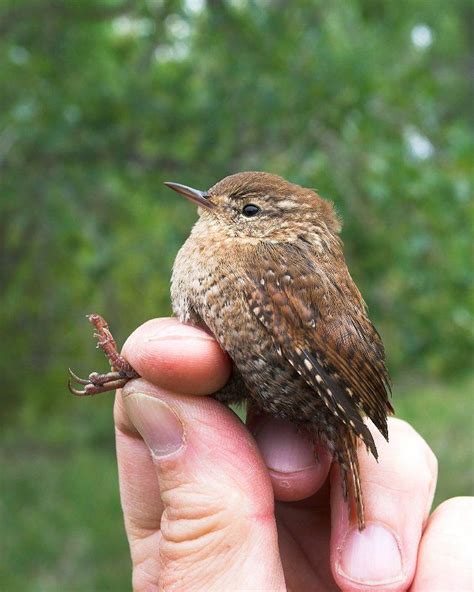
[260,206]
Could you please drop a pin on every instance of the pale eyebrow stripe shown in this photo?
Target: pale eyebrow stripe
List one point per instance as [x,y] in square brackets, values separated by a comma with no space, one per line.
[287,204]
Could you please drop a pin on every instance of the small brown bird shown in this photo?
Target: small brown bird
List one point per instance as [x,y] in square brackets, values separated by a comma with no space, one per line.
[263,270]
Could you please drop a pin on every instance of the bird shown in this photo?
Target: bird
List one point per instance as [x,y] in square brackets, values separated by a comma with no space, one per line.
[263,270]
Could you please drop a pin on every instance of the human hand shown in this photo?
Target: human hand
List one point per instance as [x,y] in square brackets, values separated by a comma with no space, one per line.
[198,491]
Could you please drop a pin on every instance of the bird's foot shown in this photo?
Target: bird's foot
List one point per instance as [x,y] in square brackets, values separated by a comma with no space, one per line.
[121,372]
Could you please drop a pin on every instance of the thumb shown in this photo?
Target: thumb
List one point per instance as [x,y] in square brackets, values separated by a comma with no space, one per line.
[217,521]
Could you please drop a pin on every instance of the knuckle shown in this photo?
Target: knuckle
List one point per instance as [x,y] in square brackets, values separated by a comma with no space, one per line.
[179,528]
[200,536]
[192,521]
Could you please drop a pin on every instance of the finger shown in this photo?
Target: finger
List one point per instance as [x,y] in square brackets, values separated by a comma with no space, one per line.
[139,487]
[173,355]
[297,466]
[177,357]
[445,559]
[211,498]
[398,493]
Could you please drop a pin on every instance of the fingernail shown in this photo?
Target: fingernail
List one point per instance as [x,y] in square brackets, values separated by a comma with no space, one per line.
[157,423]
[371,556]
[283,448]
[176,330]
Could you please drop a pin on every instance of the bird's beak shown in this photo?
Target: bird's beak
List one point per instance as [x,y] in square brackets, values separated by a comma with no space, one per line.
[199,197]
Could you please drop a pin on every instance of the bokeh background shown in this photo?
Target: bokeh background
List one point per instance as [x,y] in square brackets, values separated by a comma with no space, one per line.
[102,101]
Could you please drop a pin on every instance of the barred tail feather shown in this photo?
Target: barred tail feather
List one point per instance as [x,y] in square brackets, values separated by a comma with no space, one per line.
[350,471]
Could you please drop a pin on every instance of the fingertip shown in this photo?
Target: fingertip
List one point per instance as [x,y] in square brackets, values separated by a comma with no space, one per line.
[297,467]
[178,357]
[397,493]
[445,559]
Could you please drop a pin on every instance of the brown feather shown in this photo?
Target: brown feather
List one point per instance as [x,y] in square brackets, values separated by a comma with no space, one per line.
[328,345]
[276,293]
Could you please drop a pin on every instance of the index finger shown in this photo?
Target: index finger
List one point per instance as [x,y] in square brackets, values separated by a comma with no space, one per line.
[178,357]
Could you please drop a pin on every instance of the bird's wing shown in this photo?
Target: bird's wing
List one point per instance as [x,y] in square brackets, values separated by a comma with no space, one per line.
[339,355]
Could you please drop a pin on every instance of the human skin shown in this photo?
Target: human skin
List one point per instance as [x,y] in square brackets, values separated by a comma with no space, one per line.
[212,504]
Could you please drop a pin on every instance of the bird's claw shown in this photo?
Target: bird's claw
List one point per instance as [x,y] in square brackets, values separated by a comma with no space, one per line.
[96,383]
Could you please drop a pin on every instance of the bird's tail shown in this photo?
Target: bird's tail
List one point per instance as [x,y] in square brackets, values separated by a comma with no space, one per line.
[350,473]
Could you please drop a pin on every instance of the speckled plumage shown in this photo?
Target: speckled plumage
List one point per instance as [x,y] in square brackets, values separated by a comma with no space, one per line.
[275,291]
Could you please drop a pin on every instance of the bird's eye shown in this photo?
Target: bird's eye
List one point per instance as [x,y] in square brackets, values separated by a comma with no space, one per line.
[250,210]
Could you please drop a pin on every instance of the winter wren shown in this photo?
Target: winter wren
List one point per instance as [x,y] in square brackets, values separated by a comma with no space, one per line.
[263,270]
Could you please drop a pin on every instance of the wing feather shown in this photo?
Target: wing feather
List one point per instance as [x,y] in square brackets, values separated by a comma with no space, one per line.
[337,353]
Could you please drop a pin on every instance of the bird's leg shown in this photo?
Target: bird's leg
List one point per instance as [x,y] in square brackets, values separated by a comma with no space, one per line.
[121,371]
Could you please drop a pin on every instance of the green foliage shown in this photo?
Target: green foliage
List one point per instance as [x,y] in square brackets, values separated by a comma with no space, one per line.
[443,415]
[102,102]
[60,511]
